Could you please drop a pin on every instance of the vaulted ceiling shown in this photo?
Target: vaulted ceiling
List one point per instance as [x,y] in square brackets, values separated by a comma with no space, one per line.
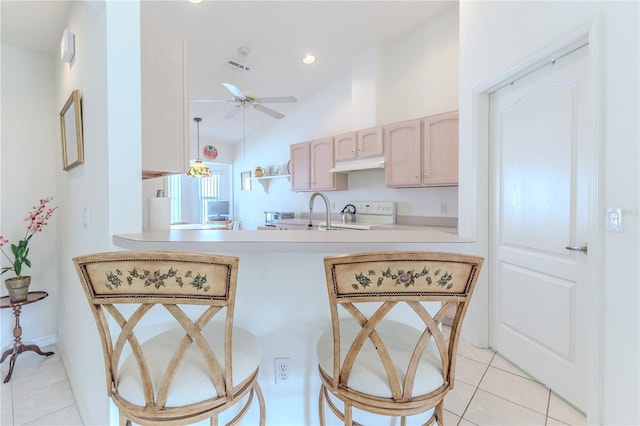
[277,34]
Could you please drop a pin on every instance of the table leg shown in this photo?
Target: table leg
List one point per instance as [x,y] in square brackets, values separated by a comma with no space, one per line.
[18,347]
[36,349]
[6,354]
[17,351]
[12,363]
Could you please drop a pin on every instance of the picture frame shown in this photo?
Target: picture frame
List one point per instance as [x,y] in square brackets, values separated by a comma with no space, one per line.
[71,132]
[245,181]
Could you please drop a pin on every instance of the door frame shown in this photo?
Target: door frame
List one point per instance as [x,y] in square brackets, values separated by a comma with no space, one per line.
[592,34]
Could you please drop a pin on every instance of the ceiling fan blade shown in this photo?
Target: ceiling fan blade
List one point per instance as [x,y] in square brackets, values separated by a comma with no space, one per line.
[278,100]
[232,112]
[268,111]
[234,90]
[210,100]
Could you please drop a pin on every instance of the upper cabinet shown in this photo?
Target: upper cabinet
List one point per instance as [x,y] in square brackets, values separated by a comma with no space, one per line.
[361,144]
[440,149]
[345,146]
[423,152]
[300,166]
[310,164]
[165,134]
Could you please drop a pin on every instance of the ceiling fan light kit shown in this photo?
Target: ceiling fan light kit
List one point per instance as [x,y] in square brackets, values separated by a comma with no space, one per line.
[198,168]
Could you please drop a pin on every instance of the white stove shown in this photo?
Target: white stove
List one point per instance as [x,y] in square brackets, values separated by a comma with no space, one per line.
[368,214]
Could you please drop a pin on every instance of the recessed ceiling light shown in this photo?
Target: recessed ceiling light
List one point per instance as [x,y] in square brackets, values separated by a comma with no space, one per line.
[195,1]
[308,59]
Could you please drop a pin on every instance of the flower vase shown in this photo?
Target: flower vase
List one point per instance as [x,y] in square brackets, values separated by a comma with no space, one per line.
[18,287]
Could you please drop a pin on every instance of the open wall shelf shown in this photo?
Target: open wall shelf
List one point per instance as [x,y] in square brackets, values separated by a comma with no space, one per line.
[264,180]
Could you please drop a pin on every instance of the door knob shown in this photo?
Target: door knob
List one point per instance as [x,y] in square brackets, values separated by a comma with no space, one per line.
[583,248]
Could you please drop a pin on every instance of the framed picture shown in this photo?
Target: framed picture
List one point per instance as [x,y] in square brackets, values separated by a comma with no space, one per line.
[71,131]
[245,181]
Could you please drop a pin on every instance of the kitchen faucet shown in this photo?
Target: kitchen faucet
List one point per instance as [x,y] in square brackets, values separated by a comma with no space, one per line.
[326,207]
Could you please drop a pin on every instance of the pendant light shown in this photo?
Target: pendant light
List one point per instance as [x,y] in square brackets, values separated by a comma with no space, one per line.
[198,168]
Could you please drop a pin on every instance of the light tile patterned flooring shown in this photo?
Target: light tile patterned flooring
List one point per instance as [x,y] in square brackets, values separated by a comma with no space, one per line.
[488,391]
[491,391]
[38,392]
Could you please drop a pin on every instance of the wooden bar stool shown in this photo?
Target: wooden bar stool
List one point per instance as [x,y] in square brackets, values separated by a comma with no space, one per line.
[395,367]
[184,373]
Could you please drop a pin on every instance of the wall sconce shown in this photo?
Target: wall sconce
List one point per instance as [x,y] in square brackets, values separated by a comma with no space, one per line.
[67,47]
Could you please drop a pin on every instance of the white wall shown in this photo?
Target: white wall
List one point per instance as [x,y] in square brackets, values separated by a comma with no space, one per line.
[418,77]
[106,70]
[495,36]
[30,149]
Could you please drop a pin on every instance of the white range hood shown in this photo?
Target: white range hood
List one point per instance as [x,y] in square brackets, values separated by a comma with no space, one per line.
[366,164]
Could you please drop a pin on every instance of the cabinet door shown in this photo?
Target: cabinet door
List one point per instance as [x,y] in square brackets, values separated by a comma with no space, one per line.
[370,143]
[321,154]
[440,153]
[403,153]
[344,146]
[163,101]
[300,166]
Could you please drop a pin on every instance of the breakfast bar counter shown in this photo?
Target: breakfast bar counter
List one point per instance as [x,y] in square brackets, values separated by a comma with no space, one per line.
[291,241]
[282,293]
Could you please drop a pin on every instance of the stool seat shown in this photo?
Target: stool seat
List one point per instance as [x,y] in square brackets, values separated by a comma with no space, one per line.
[368,374]
[193,382]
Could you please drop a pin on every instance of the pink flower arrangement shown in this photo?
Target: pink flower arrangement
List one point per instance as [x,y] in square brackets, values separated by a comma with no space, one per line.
[38,218]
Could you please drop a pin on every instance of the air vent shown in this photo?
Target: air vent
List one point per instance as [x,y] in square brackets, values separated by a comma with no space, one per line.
[237,66]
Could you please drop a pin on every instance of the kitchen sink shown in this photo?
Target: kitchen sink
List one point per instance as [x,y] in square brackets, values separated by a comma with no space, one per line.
[324,228]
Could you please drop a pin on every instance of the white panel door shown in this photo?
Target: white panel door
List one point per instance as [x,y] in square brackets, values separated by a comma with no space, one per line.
[541,195]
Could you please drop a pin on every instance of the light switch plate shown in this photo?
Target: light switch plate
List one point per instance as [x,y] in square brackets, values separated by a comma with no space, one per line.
[614,220]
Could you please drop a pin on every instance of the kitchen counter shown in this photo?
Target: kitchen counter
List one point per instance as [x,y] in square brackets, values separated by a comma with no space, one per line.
[292,241]
[301,223]
[202,226]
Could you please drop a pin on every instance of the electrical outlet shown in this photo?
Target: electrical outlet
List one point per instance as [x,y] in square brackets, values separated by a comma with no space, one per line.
[444,208]
[281,368]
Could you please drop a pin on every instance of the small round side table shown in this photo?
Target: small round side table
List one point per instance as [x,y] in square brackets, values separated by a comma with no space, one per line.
[18,347]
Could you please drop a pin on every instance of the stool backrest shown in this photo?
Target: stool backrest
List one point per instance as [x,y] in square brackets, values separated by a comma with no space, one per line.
[128,285]
[368,286]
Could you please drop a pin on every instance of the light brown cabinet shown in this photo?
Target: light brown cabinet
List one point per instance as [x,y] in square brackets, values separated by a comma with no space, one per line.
[422,152]
[300,166]
[310,164]
[361,144]
[164,105]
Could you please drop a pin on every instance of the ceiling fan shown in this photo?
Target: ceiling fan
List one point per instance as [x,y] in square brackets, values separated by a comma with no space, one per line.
[242,99]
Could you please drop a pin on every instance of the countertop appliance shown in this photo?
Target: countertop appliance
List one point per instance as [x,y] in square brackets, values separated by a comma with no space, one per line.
[270,218]
[348,213]
[369,214]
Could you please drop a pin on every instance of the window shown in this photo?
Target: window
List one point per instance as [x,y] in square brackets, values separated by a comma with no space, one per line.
[209,190]
[197,200]
[174,192]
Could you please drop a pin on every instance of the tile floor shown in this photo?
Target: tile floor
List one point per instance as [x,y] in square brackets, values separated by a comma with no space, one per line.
[491,391]
[43,380]
[488,391]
